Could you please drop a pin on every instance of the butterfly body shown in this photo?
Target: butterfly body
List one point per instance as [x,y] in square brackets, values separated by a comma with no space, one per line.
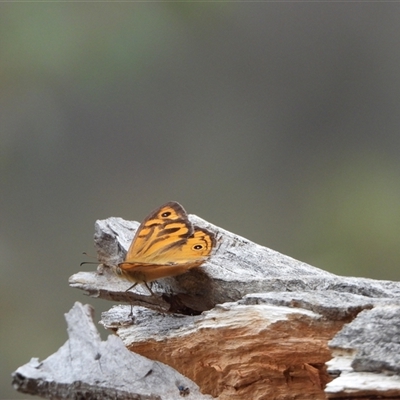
[165,244]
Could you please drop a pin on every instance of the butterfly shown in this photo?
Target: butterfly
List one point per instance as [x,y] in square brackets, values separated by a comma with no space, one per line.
[165,244]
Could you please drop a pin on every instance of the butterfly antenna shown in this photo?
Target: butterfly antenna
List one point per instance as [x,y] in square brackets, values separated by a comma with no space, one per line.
[89,255]
[89,262]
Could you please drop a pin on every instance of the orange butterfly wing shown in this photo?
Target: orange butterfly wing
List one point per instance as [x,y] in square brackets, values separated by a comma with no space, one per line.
[166,244]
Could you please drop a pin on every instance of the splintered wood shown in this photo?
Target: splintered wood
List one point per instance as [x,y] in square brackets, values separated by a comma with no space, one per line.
[249,324]
[238,351]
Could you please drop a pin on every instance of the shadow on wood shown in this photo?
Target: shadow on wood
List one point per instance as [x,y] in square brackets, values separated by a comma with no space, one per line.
[250,323]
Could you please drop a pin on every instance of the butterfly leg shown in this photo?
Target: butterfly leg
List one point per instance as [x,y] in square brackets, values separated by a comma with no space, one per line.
[148,287]
[127,290]
[145,283]
[131,287]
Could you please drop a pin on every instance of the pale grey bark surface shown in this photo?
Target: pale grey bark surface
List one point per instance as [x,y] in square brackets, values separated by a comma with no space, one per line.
[236,268]
[375,334]
[240,267]
[251,280]
[86,367]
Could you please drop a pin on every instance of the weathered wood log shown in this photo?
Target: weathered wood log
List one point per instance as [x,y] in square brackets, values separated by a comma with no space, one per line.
[366,355]
[265,346]
[237,267]
[252,323]
[87,368]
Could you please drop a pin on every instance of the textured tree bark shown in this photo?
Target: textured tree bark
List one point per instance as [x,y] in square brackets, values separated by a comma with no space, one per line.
[87,368]
[250,323]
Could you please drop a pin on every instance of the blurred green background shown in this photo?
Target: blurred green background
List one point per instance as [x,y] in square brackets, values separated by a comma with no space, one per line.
[277,121]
